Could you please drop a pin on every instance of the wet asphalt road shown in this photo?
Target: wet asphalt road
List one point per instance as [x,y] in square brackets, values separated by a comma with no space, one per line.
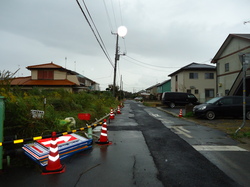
[145,152]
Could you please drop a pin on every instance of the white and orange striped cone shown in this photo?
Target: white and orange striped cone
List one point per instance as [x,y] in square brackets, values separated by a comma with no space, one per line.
[180,114]
[103,140]
[54,164]
[118,110]
[111,114]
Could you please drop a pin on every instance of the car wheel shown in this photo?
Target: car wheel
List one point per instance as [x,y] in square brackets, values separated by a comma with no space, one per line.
[210,115]
[172,105]
[248,115]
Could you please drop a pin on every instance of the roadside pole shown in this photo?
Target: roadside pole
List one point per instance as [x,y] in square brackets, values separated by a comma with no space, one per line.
[2,116]
[244,58]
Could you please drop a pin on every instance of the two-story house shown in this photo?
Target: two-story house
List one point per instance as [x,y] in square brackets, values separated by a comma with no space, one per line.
[53,76]
[198,79]
[229,66]
[164,86]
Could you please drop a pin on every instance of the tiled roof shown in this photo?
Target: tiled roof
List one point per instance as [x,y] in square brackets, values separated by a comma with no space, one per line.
[169,80]
[194,66]
[45,66]
[26,81]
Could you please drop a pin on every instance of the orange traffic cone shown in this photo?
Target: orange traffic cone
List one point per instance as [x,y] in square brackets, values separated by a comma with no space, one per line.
[180,114]
[111,114]
[54,164]
[103,140]
[118,110]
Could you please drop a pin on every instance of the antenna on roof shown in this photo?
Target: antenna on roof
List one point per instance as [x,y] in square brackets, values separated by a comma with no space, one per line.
[65,61]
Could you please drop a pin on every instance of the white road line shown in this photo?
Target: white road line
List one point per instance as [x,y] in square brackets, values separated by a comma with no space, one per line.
[155,115]
[185,130]
[218,148]
[181,130]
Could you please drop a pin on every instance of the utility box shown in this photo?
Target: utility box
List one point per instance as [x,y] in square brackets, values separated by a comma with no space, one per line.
[2,117]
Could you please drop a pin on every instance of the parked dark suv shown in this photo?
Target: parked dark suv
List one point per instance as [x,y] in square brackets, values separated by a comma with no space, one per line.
[178,98]
[227,106]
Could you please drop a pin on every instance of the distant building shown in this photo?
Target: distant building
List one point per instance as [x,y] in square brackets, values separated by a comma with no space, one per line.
[53,76]
[152,90]
[229,66]
[165,86]
[198,79]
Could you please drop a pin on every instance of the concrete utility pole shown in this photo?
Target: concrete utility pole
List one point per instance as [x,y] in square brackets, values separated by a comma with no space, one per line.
[122,31]
[116,59]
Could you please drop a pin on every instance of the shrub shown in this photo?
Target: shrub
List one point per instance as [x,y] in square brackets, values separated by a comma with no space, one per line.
[59,105]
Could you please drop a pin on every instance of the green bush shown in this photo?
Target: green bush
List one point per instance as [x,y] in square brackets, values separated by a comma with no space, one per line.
[59,105]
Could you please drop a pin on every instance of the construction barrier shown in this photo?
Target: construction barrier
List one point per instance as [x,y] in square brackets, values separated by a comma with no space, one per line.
[98,122]
[111,114]
[54,164]
[103,140]
[180,114]
[118,110]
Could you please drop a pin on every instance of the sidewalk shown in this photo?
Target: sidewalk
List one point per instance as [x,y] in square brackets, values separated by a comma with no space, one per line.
[225,125]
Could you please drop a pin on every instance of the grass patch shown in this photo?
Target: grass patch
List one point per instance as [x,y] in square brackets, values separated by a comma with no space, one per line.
[152,103]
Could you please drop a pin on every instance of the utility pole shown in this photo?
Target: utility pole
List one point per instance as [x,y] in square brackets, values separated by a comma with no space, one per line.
[122,31]
[116,59]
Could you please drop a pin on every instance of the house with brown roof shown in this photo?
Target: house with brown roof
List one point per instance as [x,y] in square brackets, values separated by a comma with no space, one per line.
[53,76]
[229,66]
[195,78]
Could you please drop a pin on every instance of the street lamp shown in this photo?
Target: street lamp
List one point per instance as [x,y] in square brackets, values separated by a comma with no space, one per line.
[121,31]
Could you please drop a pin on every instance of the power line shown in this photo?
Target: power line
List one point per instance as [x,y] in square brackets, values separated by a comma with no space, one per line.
[113,13]
[149,64]
[109,20]
[120,12]
[100,43]
[141,65]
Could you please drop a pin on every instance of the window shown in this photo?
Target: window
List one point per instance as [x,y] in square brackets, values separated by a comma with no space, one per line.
[209,75]
[45,74]
[193,75]
[188,91]
[196,91]
[209,92]
[176,78]
[227,101]
[226,67]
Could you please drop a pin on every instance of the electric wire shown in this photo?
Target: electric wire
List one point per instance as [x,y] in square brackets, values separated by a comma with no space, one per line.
[113,13]
[94,26]
[120,11]
[155,66]
[102,47]
[151,68]
[109,20]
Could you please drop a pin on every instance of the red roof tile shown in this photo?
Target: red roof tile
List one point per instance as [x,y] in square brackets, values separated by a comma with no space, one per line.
[26,81]
[45,66]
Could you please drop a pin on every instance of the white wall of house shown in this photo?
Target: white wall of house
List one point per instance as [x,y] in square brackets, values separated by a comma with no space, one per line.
[60,75]
[230,56]
[197,86]
[34,75]
[73,78]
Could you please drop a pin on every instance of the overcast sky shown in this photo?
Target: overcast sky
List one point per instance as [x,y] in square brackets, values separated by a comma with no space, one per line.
[163,36]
